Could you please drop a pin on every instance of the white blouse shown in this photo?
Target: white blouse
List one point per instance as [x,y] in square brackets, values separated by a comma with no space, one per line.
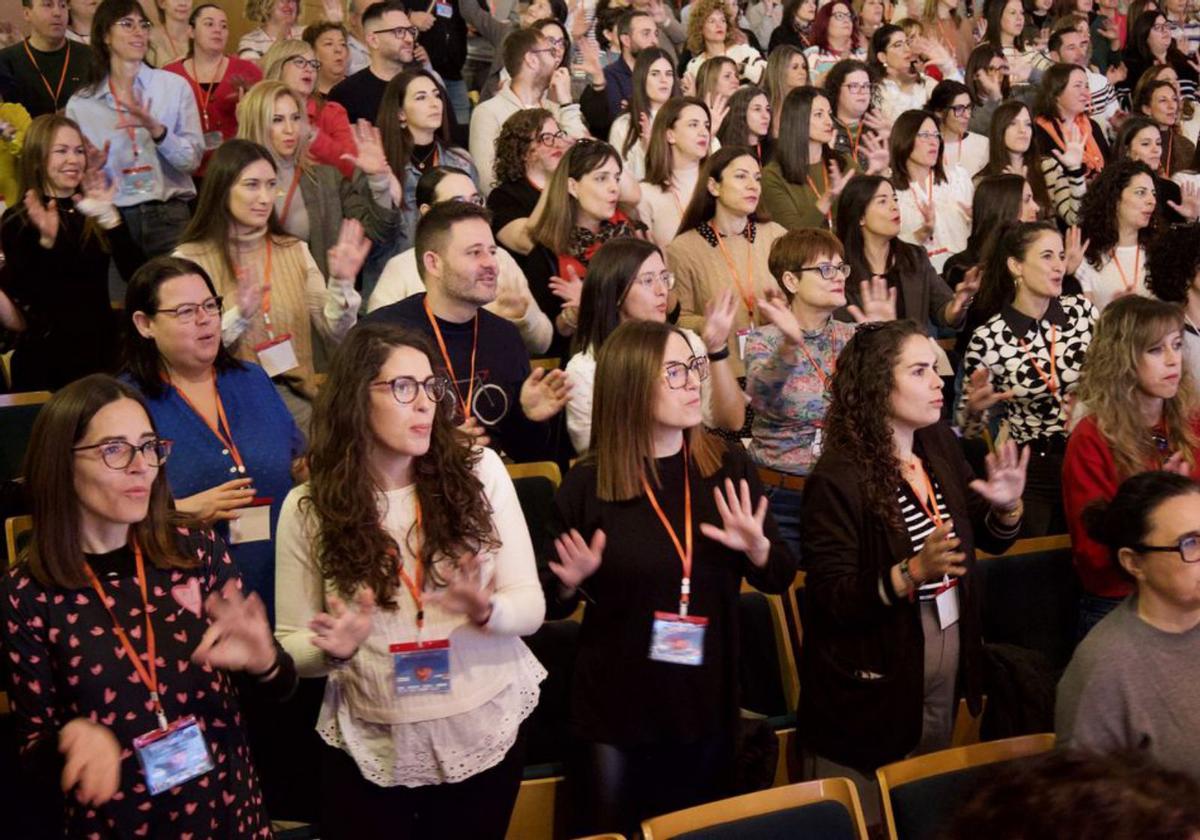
[971,153]
[1112,279]
[952,224]
[635,160]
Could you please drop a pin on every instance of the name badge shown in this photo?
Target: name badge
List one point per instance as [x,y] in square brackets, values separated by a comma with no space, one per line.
[443,10]
[277,355]
[678,639]
[742,335]
[816,443]
[253,523]
[212,139]
[421,667]
[172,756]
[137,180]
[947,605]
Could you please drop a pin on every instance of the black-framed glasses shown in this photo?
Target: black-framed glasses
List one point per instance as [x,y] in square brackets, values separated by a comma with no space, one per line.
[960,110]
[858,87]
[404,388]
[842,17]
[1188,548]
[829,271]
[548,139]
[400,31]
[118,454]
[556,43]
[677,372]
[186,313]
[474,198]
[302,62]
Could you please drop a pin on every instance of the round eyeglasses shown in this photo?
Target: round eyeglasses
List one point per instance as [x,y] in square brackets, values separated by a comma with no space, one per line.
[118,454]
[404,388]
[677,372]
[186,313]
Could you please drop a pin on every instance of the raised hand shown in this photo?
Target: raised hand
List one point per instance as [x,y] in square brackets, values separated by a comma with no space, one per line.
[589,61]
[465,592]
[775,309]
[560,86]
[1076,246]
[91,761]
[577,559]
[981,394]
[218,502]
[965,291]
[718,109]
[96,187]
[874,148]
[878,301]
[238,637]
[873,122]
[1116,73]
[569,291]
[687,85]
[332,10]
[544,394]
[510,303]
[348,254]
[644,125]
[928,210]
[137,114]
[340,631]
[1005,476]
[370,158]
[1189,203]
[741,521]
[837,181]
[44,217]
[249,294]
[96,158]
[718,320]
[579,22]
[1072,156]
[938,556]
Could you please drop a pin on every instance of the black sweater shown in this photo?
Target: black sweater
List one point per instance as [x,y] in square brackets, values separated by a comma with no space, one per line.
[619,695]
[71,329]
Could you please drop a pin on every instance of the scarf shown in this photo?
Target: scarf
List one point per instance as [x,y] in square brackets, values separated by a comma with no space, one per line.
[1093,159]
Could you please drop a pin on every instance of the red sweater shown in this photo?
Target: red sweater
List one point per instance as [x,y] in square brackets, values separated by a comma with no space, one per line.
[221,111]
[1089,474]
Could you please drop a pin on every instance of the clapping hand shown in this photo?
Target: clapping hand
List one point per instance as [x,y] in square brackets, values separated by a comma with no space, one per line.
[928,210]
[1005,476]
[544,394]
[577,559]
[474,429]
[570,290]
[238,637]
[874,149]
[1177,464]
[1189,203]
[837,181]
[340,631]
[775,309]
[370,158]
[44,217]
[718,320]
[249,294]
[219,502]
[348,254]
[742,522]
[718,109]
[138,114]
[465,592]
[878,301]
[1076,246]
[1071,157]
[91,761]
[981,394]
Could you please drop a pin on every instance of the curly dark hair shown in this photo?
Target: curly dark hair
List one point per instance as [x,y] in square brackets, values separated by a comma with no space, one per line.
[517,136]
[352,547]
[1098,210]
[858,415]
[1173,261]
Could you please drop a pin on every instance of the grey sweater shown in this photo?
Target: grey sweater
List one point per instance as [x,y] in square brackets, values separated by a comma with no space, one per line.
[1133,686]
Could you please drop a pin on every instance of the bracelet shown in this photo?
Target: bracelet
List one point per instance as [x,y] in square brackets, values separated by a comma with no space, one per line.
[907,575]
[719,356]
[270,672]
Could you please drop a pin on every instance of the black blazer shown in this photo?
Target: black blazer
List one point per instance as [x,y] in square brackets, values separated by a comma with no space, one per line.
[844,715]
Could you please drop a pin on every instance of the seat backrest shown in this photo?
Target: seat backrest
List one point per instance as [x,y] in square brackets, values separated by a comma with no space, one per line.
[17,413]
[762,689]
[17,532]
[1030,597]
[536,496]
[921,795]
[824,820]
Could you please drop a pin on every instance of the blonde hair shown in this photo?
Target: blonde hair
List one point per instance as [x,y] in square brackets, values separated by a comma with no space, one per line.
[259,11]
[256,111]
[1128,327]
[279,54]
[701,10]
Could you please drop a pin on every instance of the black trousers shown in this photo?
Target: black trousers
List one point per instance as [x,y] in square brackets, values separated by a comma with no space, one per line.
[1043,496]
[477,808]
[613,789]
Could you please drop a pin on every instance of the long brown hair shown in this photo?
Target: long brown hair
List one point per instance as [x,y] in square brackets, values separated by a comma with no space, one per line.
[397,139]
[554,227]
[1128,327]
[628,370]
[35,151]
[351,545]
[858,418]
[660,157]
[55,554]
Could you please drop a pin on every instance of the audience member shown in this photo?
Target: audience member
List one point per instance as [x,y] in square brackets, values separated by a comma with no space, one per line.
[390,38]
[45,68]
[277,22]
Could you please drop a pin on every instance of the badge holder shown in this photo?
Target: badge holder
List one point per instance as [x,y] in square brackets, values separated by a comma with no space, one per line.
[137,180]
[947,605]
[175,754]
[678,639]
[277,356]
[742,337]
[253,523]
[421,667]
[212,139]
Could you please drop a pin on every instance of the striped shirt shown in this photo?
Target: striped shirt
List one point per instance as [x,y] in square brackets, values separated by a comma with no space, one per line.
[919,526]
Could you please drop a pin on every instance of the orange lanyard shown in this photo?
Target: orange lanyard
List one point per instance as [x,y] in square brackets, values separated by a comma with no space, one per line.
[685,555]
[1167,165]
[437,331]
[56,92]
[414,587]
[130,129]
[1137,255]
[204,97]
[928,499]
[854,138]
[149,678]
[291,193]
[820,195]
[747,295]
[1051,380]
[826,380]
[223,431]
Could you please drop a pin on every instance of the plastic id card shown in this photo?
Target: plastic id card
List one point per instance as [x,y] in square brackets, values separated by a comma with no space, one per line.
[277,355]
[421,667]
[172,756]
[678,639]
[253,523]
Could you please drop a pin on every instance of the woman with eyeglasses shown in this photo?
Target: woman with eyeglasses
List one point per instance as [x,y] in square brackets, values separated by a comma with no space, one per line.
[406,574]
[935,198]
[903,86]
[712,31]
[849,87]
[1129,684]
[276,21]
[679,144]
[786,71]
[1158,99]
[1070,142]
[951,103]
[892,518]
[276,298]
[60,243]
[125,629]
[528,151]
[628,280]
[986,77]
[1141,414]
[217,80]
[169,40]
[314,199]
[653,85]
[146,121]
[236,447]
[657,528]
[331,138]
[790,363]
[795,27]
[835,36]
[1150,43]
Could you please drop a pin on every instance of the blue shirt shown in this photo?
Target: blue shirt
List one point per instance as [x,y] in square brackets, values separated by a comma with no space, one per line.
[267,439]
[618,81]
[170,162]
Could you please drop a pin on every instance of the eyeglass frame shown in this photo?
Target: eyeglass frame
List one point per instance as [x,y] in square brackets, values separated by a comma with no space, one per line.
[1142,548]
[131,448]
[844,269]
[696,364]
[131,23]
[858,87]
[960,110]
[426,384]
[301,61]
[559,136]
[399,32]
[174,310]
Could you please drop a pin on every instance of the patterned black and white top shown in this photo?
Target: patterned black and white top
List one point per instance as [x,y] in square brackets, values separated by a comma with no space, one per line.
[1015,349]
